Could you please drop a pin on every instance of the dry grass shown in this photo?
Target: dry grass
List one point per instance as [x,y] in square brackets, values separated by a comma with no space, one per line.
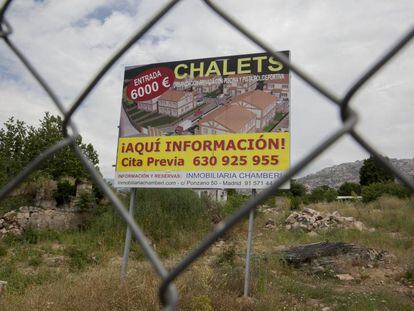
[215,281]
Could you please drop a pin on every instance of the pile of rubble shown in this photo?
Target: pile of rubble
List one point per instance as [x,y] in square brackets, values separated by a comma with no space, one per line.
[15,222]
[337,259]
[10,224]
[311,220]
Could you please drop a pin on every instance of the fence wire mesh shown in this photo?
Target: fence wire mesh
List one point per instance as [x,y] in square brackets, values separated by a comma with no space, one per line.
[167,293]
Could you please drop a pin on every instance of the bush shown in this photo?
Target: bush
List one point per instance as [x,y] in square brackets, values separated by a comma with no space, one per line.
[374,191]
[227,256]
[233,203]
[165,213]
[3,251]
[297,189]
[409,274]
[349,188]
[295,203]
[322,194]
[85,201]
[14,202]
[79,258]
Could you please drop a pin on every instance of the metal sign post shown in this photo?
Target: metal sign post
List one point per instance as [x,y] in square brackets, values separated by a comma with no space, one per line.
[127,246]
[249,251]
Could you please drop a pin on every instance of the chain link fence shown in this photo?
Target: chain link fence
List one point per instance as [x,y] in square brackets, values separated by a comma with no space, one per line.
[167,293]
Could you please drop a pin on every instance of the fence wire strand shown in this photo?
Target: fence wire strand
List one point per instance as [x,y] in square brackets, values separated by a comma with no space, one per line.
[167,292]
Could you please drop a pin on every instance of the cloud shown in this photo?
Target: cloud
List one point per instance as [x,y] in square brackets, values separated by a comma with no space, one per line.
[333,41]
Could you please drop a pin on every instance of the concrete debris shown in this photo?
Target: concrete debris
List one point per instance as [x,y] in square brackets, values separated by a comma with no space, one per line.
[311,220]
[344,277]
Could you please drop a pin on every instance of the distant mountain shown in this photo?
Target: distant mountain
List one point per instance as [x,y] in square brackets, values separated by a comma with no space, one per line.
[335,176]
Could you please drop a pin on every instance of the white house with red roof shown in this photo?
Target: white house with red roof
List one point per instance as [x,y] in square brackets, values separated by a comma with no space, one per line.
[228,119]
[279,87]
[175,103]
[148,105]
[262,104]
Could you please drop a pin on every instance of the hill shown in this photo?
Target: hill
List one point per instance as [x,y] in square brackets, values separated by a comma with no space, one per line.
[336,175]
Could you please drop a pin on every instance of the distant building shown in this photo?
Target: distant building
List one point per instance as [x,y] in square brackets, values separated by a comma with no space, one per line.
[148,105]
[262,104]
[279,87]
[238,84]
[206,85]
[228,119]
[175,103]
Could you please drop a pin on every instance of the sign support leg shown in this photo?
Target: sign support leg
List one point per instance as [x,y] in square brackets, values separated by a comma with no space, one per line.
[127,245]
[249,251]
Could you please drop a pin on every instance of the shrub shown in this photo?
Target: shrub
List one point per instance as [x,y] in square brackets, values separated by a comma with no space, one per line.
[85,201]
[35,259]
[233,203]
[349,188]
[12,203]
[227,256]
[78,258]
[376,190]
[295,203]
[409,274]
[322,194]
[297,189]
[165,213]
[3,251]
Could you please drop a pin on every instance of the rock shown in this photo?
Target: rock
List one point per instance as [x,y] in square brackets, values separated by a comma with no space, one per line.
[270,224]
[326,309]
[358,225]
[310,211]
[295,226]
[312,234]
[311,220]
[292,218]
[344,277]
[318,269]
[15,222]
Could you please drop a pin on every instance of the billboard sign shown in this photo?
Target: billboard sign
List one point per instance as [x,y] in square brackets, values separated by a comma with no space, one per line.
[209,123]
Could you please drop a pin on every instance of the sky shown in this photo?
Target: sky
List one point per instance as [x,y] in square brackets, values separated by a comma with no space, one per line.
[332,41]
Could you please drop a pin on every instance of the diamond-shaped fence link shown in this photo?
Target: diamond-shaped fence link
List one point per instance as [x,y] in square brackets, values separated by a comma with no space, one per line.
[167,292]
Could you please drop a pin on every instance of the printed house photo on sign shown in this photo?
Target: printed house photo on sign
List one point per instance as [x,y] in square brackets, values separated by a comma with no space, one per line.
[237,95]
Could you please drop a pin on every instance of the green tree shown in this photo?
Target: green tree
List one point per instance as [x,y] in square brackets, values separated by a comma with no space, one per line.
[375,190]
[372,172]
[20,143]
[349,188]
[297,189]
[12,148]
[323,193]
